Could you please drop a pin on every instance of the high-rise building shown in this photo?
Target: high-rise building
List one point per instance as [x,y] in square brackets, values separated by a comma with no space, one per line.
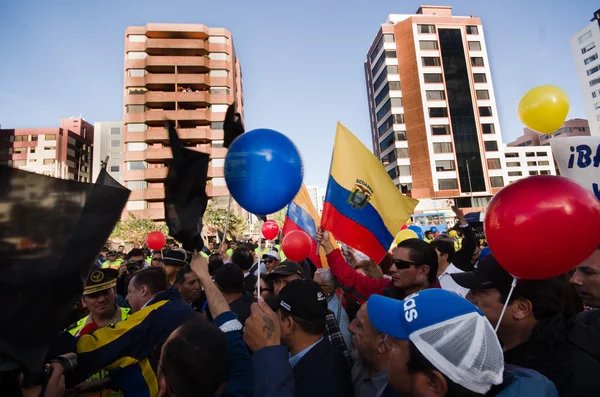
[317,196]
[185,73]
[433,112]
[108,143]
[62,152]
[524,161]
[585,45]
[573,127]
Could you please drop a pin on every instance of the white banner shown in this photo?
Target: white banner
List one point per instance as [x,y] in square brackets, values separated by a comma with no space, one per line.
[578,158]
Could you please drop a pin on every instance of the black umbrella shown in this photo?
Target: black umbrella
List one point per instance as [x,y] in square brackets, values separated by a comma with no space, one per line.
[51,231]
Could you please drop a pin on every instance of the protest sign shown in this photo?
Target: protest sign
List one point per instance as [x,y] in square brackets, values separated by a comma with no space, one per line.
[578,158]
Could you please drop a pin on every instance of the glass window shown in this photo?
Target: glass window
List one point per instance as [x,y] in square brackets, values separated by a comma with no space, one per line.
[544,163]
[136,72]
[440,130]
[448,184]
[532,173]
[32,150]
[384,110]
[34,138]
[479,78]
[137,185]
[393,173]
[402,153]
[388,38]
[444,165]
[219,91]
[511,155]
[477,61]
[396,102]
[491,146]
[137,90]
[485,111]
[532,163]
[428,44]
[398,118]
[137,205]
[217,162]
[530,154]
[513,164]
[21,138]
[115,131]
[19,163]
[390,53]
[216,125]
[382,94]
[432,77]
[590,59]
[400,135]
[50,137]
[387,124]
[218,73]
[48,161]
[218,108]
[392,69]
[377,83]
[438,112]
[49,147]
[136,55]
[136,165]
[137,146]
[497,181]
[442,147]
[217,39]
[135,108]
[593,70]
[115,143]
[483,94]
[431,61]
[217,144]
[380,62]
[515,173]
[394,85]
[426,28]
[387,142]
[586,36]
[137,38]
[437,95]
[588,47]
[218,56]
[404,170]
[541,154]
[494,164]
[20,150]
[472,30]
[376,50]
[474,46]
[137,127]
[544,172]
[114,168]
[488,128]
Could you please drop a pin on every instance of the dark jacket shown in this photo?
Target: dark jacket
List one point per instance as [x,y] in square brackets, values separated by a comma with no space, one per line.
[523,382]
[462,257]
[240,382]
[551,351]
[322,372]
[241,307]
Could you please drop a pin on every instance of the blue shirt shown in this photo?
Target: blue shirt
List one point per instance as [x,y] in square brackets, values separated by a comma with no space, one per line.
[295,359]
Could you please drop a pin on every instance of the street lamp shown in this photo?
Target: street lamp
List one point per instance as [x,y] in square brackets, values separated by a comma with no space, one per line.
[469,176]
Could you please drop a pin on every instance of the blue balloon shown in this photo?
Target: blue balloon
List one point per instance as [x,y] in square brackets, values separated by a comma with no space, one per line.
[484,252]
[433,230]
[418,230]
[263,171]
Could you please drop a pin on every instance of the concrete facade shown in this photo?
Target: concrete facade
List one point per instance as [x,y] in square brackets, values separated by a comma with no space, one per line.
[61,152]
[108,137]
[573,127]
[585,45]
[433,110]
[185,73]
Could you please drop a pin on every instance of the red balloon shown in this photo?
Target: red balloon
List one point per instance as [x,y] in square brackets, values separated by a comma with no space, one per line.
[156,240]
[270,229]
[296,245]
[522,219]
[405,226]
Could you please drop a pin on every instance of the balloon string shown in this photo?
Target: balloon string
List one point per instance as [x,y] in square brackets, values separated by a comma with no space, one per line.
[512,288]
[260,223]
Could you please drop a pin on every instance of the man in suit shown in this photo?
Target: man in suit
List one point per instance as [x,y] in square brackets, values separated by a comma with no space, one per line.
[313,367]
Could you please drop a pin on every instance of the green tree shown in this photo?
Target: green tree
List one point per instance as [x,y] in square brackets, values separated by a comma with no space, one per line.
[135,230]
[215,217]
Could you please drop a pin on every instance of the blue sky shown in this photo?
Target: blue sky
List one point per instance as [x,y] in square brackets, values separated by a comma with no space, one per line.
[302,61]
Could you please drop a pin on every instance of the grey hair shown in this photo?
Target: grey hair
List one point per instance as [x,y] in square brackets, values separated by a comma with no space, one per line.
[327,277]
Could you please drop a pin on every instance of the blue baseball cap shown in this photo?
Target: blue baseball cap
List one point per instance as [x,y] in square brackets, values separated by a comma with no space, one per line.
[450,332]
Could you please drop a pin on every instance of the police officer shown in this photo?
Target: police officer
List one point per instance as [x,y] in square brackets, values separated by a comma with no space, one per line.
[111,261]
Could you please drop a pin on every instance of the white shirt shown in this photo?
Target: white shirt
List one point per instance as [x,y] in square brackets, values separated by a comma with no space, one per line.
[447,283]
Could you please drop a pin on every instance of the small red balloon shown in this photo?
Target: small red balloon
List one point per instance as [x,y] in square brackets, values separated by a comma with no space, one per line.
[520,220]
[296,245]
[270,229]
[156,240]
[405,226]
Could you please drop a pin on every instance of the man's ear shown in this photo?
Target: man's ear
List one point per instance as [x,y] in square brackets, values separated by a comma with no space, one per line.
[425,269]
[430,384]
[522,308]
[145,291]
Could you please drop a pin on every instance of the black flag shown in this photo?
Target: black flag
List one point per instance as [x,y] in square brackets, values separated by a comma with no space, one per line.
[232,126]
[51,231]
[185,193]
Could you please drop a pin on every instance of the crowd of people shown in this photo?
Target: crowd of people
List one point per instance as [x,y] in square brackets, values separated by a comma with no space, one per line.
[432,319]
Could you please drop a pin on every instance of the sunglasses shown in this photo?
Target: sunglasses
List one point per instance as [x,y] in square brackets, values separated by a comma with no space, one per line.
[268,260]
[262,289]
[400,264]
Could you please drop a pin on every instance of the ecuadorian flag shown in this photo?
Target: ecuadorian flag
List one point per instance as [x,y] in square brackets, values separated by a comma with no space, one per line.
[302,215]
[363,208]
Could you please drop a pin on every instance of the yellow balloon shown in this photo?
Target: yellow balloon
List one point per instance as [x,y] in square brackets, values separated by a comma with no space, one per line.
[544,108]
[452,233]
[404,235]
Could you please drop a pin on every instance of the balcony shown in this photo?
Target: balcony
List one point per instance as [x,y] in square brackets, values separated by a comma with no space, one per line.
[160,174]
[190,44]
[150,194]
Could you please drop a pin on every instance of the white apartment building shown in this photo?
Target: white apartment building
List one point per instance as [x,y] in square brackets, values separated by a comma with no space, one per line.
[585,45]
[108,141]
[525,161]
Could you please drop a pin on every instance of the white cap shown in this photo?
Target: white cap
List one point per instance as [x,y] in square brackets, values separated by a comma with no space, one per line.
[273,254]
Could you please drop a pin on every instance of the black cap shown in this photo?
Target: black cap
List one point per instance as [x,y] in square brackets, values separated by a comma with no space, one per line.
[229,277]
[285,268]
[174,258]
[100,280]
[112,253]
[303,299]
[488,274]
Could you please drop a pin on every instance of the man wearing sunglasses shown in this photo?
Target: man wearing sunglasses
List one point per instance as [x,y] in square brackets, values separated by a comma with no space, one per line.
[271,260]
[157,259]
